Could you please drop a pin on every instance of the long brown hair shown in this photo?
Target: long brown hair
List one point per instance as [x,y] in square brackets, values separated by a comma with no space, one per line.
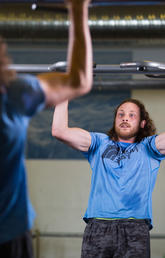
[149,128]
[6,75]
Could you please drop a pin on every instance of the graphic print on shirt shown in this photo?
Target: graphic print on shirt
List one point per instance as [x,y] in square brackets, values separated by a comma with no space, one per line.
[116,154]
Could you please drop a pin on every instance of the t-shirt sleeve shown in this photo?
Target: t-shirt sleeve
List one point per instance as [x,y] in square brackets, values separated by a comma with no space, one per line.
[96,139]
[151,147]
[26,95]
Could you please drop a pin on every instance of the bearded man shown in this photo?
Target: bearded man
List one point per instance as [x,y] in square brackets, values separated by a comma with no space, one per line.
[124,167]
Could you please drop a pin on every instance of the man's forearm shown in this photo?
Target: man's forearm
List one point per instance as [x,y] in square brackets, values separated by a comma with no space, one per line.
[60,118]
[80,46]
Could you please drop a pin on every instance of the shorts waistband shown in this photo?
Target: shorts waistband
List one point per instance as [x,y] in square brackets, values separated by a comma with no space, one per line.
[121,220]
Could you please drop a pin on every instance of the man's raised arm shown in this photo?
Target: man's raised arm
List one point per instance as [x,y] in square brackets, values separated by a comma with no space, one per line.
[75,137]
[78,78]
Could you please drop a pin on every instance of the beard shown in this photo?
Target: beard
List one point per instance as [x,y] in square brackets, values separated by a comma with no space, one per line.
[127,134]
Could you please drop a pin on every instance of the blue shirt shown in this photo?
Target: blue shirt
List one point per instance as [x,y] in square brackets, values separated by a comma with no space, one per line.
[123,177]
[23,98]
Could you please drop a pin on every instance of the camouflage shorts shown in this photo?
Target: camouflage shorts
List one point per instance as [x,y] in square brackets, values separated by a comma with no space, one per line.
[124,238]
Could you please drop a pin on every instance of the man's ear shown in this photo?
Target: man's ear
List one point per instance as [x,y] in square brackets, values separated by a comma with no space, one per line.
[143,123]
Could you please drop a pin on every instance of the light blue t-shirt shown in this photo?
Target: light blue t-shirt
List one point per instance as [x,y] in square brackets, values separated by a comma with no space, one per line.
[24,97]
[123,177]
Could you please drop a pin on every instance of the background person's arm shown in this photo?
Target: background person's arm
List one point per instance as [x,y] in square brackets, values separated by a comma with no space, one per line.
[75,137]
[78,78]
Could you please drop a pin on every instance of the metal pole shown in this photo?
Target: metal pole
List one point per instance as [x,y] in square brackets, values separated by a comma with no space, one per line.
[142,67]
[39,234]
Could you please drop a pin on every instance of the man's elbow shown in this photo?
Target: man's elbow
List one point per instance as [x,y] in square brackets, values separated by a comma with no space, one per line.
[57,133]
[87,86]
[83,85]
[83,90]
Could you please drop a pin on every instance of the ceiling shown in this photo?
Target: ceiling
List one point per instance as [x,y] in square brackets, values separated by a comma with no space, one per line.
[107,19]
[93,2]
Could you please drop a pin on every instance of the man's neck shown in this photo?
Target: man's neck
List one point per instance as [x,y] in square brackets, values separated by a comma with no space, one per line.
[131,140]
